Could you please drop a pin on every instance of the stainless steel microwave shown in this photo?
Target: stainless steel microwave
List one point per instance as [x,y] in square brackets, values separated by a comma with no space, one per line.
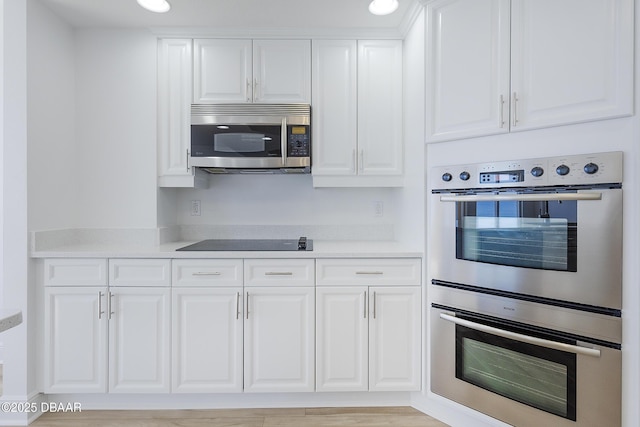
[251,138]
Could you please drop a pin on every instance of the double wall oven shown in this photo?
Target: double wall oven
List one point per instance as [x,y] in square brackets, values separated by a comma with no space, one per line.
[526,289]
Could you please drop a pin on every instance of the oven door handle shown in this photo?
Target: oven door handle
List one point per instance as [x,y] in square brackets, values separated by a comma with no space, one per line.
[523,338]
[543,197]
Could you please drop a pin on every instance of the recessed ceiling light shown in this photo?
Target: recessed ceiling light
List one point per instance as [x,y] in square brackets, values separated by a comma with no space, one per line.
[158,6]
[383,7]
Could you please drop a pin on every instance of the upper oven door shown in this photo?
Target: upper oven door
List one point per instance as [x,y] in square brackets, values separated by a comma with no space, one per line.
[565,246]
[238,145]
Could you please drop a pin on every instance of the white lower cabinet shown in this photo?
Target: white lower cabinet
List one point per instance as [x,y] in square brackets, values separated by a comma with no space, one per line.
[227,326]
[279,339]
[207,340]
[139,340]
[106,339]
[368,336]
[75,348]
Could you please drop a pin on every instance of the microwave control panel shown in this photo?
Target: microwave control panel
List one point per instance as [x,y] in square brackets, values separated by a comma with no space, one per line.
[298,141]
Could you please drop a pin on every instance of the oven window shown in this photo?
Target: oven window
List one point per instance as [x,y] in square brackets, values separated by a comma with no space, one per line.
[536,376]
[530,234]
[236,141]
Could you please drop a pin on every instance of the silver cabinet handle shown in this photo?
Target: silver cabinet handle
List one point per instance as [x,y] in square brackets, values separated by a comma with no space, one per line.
[515,109]
[111,312]
[206,273]
[361,162]
[522,197]
[521,337]
[374,305]
[278,273]
[372,273]
[255,90]
[248,90]
[354,161]
[100,310]
[502,111]
[364,304]
[237,305]
[247,305]
[188,167]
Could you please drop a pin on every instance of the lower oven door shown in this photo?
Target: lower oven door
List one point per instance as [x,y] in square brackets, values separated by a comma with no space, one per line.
[523,378]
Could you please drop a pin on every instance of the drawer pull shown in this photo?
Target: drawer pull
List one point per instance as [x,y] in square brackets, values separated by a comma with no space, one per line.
[278,273]
[207,273]
[378,273]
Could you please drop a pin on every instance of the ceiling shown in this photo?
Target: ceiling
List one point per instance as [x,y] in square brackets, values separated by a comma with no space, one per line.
[233,14]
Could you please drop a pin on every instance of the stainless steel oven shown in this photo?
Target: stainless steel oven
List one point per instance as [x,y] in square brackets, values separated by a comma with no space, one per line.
[526,289]
[525,363]
[545,227]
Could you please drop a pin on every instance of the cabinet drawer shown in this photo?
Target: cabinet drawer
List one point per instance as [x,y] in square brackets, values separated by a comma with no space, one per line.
[75,272]
[207,272]
[369,271]
[279,272]
[139,272]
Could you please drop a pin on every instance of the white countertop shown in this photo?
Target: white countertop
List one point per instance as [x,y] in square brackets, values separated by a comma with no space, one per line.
[321,249]
[9,319]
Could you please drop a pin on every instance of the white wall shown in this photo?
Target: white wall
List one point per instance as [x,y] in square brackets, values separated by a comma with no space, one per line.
[14,280]
[116,128]
[52,149]
[283,200]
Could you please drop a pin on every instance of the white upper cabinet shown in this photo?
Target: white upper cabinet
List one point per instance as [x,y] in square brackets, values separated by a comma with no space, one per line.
[282,71]
[174,115]
[222,71]
[572,61]
[357,113]
[380,107]
[495,66]
[245,71]
[335,107]
[467,67]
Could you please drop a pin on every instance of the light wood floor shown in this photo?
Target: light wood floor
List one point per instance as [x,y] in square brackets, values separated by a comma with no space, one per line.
[298,417]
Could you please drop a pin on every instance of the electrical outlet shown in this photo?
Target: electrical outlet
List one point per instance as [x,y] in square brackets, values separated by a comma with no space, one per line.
[378,208]
[195,208]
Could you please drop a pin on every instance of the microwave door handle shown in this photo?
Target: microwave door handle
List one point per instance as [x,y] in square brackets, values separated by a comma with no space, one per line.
[576,349]
[522,197]
[283,142]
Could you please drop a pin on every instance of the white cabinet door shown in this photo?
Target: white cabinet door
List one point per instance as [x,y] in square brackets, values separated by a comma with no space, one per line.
[75,350]
[335,107]
[342,338]
[572,61]
[174,115]
[222,71]
[467,64]
[241,71]
[380,107]
[139,340]
[394,338]
[207,340]
[279,339]
[282,71]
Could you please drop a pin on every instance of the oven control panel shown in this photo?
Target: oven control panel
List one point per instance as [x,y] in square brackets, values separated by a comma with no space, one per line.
[582,169]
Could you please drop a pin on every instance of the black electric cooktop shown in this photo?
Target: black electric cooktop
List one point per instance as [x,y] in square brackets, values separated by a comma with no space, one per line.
[301,244]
